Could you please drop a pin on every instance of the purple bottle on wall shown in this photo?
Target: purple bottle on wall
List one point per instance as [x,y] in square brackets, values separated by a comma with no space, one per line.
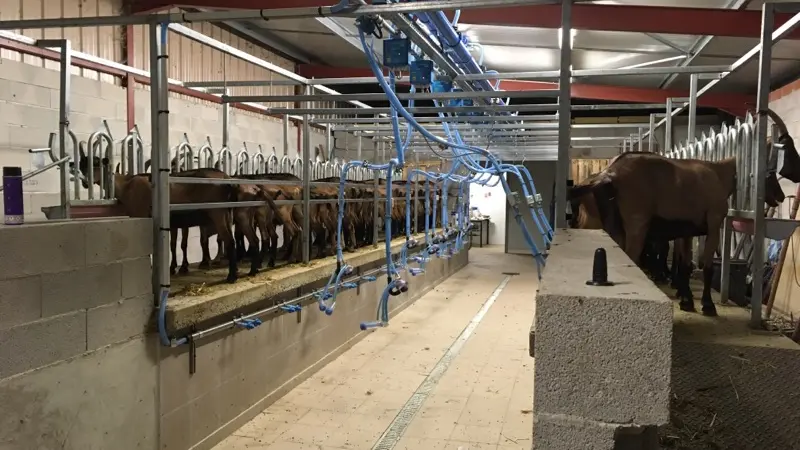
[12,196]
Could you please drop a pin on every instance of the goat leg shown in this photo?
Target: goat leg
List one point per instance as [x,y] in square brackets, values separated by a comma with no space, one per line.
[238,236]
[205,263]
[173,243]
[221,220]
[244,225]
[184,249]
[684,262]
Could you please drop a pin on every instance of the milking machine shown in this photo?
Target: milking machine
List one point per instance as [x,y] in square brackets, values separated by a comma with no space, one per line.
[397,53]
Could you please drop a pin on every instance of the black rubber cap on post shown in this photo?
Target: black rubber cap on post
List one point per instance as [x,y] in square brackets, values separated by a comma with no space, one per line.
[600,269]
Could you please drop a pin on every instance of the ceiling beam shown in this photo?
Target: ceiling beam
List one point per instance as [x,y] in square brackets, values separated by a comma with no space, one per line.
[585,16]
[733,103]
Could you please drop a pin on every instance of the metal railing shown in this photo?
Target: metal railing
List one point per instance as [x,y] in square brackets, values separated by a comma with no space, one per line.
[735,141]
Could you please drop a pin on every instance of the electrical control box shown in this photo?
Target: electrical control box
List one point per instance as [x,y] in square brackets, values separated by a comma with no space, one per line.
[395,53]
[421,73]
[456,101]
[441,86]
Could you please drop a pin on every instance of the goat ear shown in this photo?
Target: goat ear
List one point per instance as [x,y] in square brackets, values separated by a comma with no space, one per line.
[82,151]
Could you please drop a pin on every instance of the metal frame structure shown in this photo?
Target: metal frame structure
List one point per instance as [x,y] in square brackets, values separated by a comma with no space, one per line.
[747,141]
[483,104]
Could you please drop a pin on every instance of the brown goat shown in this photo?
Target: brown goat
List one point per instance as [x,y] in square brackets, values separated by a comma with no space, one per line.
[645,188]
[134,193]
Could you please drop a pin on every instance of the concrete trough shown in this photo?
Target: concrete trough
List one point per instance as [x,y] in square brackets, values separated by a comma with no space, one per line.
[602,354]
[202,295]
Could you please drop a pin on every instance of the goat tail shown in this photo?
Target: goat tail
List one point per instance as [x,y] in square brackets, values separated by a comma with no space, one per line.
[261,195]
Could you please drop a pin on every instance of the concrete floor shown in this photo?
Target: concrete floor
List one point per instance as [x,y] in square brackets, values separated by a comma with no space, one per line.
[482,399]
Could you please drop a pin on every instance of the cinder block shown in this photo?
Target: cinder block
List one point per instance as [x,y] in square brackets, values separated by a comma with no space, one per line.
[42,342]
[113,92]
[40,248]
[20,301]
[82,86]
[602,353]
[25,93]
[27,137]
[136,277]
[557,432]
[93,106]
[84,124]
[81,289]
[27,73]
[29,116]
[118,321]
[114,240]
[16,156]
[4,134]
[214,113]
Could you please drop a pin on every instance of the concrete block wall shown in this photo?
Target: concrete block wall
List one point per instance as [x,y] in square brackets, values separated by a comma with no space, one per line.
[242,372]
[76,365]
[80,365]
[602,354]
[29,100]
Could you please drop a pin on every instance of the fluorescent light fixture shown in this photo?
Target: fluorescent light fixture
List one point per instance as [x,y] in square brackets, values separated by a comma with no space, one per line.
[658,61]
[572,33]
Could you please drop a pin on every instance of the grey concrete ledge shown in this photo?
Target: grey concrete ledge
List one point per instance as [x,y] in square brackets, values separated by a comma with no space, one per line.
[189,307]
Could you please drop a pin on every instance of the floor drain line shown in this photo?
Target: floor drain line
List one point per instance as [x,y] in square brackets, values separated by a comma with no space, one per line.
[392,435]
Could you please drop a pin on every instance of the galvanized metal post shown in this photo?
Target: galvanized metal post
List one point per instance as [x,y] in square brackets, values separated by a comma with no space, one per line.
[564,114]
[668,127]
[764,72]
[226,116]
[651,135]
[329,143]
[374,209]
[285,135]
[159,118]
[63,128]
[639,138]
[359,144]
[416,192]
[725,270]
[306,190]
[692,108]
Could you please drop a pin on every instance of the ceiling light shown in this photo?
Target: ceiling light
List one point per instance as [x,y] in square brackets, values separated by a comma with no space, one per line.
[573,32]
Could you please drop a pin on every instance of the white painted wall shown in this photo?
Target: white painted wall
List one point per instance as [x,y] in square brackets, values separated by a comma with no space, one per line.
[491,201]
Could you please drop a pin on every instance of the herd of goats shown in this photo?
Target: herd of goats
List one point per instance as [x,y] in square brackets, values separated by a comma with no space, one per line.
[644,200]
[233,225]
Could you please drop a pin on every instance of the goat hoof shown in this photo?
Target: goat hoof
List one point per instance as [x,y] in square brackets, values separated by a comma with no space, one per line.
[172,271]
[688,307]
[232,278]
[252,272]
[204,265]
[271,264]
[710,310]
[183,270]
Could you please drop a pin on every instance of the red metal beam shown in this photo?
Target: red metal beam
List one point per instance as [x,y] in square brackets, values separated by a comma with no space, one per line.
[148,6]
[728,102]
[585,16]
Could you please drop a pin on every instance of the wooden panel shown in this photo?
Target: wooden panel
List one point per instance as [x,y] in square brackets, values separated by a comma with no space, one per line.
[583,168]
